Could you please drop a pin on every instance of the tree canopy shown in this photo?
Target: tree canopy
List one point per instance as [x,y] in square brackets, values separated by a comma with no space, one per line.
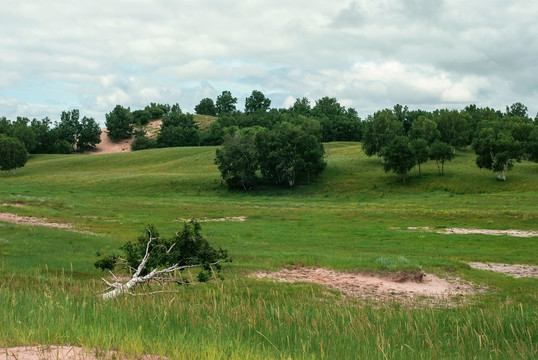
[13,154]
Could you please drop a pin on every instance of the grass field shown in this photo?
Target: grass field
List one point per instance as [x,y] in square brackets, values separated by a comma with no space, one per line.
[348,218]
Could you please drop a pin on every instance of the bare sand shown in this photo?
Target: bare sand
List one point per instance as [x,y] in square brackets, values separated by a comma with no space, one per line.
[404,287]
[463,231]
[516,270]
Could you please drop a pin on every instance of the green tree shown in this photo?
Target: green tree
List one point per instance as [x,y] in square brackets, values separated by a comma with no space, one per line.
[398,156]
[424,128]
[141,117]
[178,129]
[237,160]
[422,152]
[119,123]
[225,103]
[441,152]
[453,127]
[88,134]
[301,107]
[13,154]
[68,126]
[256,102]
[517,110]
[289,153]
[499,143]
[22,131]
[206,106]
[379,130]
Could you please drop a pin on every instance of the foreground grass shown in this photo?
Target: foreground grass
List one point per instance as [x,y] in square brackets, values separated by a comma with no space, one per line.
[350,217]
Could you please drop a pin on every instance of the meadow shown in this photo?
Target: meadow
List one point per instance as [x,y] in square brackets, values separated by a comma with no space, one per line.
[346,219]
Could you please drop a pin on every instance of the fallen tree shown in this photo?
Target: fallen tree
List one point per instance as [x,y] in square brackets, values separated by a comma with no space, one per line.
[155,259]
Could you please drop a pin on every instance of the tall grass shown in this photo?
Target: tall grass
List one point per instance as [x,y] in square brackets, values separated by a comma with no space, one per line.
[257,320]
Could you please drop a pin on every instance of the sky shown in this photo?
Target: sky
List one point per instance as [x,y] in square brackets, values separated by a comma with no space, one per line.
[58,55]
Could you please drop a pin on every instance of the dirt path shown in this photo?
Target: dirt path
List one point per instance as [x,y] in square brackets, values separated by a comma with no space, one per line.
[515,270]
[402,287]
[228,218]
[63,353]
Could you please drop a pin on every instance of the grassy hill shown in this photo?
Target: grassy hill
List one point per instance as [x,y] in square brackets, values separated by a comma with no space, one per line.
[347,219]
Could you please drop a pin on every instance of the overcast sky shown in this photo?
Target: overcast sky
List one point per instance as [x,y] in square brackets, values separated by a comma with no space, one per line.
[58,55]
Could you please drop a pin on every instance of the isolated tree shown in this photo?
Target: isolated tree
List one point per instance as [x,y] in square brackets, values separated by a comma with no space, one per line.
[119,123]
[421,150]
[256,102]
[237,160]
[225,103]
[399,156]
[155,259]
[13,154]
[206,106]
[441,152]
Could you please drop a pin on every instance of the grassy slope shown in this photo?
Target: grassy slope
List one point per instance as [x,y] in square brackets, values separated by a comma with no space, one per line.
[344,220]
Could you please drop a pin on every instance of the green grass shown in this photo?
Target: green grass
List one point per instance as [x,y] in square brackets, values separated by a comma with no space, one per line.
[353,217]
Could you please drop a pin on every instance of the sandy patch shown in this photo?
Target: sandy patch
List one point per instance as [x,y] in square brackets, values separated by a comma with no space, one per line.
[153,128]
[405,287]
[63,353]
[228,218]
[463,231]
[515,270]
[33,221]
[107,146]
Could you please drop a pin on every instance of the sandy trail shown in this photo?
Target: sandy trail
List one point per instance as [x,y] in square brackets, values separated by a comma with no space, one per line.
[395,287]
[228,218]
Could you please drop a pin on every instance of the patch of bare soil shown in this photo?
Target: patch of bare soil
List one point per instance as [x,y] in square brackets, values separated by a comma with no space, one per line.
[518,233]
[228,218]
[413,287]
[33,221]
[515,270]
[107,146]
[13,204]
[64,353]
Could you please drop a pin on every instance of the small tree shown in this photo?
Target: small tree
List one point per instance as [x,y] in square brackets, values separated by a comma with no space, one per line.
[153,258]
[206,107]
[13,154]
[119,123]
[422,152]
[225,103]
[399,156]
[256,102]
[441,152]
[88,134]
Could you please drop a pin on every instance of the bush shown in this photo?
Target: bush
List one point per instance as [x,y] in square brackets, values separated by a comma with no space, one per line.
[13,154]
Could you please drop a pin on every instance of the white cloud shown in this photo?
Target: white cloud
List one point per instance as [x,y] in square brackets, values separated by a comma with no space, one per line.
[368,54]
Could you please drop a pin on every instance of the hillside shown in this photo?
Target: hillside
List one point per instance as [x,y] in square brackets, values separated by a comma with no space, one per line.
[353,220]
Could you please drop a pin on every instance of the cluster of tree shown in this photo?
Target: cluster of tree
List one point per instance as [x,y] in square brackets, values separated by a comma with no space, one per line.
[405,139]
[69,134]
[287,153]
[337,122]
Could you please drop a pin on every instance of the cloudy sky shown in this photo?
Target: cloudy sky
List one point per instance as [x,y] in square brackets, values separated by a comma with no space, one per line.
[58,55]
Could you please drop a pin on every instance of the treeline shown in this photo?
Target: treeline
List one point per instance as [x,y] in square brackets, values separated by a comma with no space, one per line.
[403,138]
